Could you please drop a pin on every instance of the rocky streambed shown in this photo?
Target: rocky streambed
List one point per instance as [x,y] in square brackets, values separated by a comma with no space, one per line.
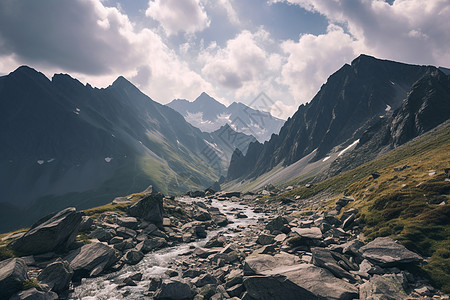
[216,246]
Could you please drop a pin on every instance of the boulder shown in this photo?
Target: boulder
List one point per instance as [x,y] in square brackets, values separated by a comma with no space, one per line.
[134,256]
[204,279]
[128,222]
[151,244]
[220,219]
[86,224]
[259,263]
[91,259]
[275,288]
[386,252]
[150,208]
[52,233]
[13,272]
[389,286]
[265,239]
[174,290]
[101,234]
[202,214]
[34,294]
[323,258]
[217,241]
[278,224]
[312,233]
[57,276]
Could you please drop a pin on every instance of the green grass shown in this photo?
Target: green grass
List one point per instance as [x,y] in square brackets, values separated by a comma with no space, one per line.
[405,205]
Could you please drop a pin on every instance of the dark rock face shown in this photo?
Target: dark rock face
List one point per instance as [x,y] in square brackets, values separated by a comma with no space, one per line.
[386,252]
[150,209]
[351,101]
[174,289]
[34,294]
[57,276]
[91,259]
[54,232]
[13,272]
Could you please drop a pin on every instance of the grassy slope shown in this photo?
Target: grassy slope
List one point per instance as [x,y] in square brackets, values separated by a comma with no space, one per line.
[405,205]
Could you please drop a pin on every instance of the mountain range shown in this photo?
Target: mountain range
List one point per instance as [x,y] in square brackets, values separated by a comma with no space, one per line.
[370,106]
[209,115]
[69,144]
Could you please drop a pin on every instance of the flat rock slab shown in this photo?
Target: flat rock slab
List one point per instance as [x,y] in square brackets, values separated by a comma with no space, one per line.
[34,294]
[309,233]
[389,286]
[386,252]
[13,272]
[318,281]
[260,263]
[50,233]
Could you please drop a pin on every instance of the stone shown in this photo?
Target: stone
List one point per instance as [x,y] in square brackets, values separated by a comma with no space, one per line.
[13,271]
[204,279]
[202,214]
[86,224]
[34,294]
[386,252]
[101,234]
[344,201]
[133,256]
[236,290]
[313,233]
[150,208]
[241,215]
[126,232]
[57,276]
[352,247]
[124,245]
[349,221]
[389,286]
[192,273]
[265,239]
[151,244]
[91,259]
[171,273]
[217,241]
[232,194]
[155,284]
[129,222]
[220,220]
[275,288]
[54,232]
[196,194]
[174,290]
[259,263]
[278,224]
[116,240]
[323,258]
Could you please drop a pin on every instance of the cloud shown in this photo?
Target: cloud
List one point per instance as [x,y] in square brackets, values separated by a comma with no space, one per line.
[231,12]
[313,58]
[95,44]
[176,16]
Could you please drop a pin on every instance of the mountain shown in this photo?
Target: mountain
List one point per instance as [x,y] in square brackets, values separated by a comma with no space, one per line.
[209,115]
[69,144]
[351,101]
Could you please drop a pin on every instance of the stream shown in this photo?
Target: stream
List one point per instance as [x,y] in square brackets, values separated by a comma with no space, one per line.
[155,264]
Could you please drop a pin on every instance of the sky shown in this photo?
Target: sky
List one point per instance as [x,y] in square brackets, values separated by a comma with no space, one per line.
[234,50]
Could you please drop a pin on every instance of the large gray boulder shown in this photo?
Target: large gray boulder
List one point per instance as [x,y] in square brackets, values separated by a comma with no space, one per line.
[324,258]
[52,233]
[275,288]
[150,208]
[174,290]
[13,272]
[320,282]
[389,286]
[57,276]
[313,233]
[257,264]
[386,252]
[92,259]
[34,294]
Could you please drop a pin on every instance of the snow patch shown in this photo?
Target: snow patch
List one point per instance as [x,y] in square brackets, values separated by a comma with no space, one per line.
[388,107]
[326,158]
[77,109]
[108,159]
[40,161]
[393,83]
[50,160]
[76,112]
[352,144]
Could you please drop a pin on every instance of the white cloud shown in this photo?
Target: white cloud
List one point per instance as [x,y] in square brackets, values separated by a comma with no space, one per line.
[313,58]
[95,44]
[176,16]
[231,12]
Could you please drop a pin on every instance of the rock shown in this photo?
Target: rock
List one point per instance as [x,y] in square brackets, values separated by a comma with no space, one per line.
[171,273]
[54,232]
[116,240]
[367,268]
[126,232]
[57,276]
[13,272]
[91,259]
[265,239]
[323,258]
[386,252]
[320,282]
[124,245]
[150,208]
[236,291]
[202,215]
[133,256]
[241,215]
[101,234]
[313,233]
[349,221]
[352,247]
[151,244]
[174,290]
[217,241]
[348,213]
[275,288]
[192,273]
[220,219]
[34,294]
[259,263]
[200,231]
[129,222]
[268,249]
[155,283]
[232,194]
[389,286]
[344,201]
[86,224]
[278,224]
[204,279]
[196,194]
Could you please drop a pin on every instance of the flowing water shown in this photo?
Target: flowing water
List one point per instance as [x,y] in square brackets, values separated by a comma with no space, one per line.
[156,263]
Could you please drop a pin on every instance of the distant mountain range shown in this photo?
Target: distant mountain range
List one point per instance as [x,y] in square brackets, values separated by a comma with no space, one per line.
[68,144]
[209,115]
[370,106]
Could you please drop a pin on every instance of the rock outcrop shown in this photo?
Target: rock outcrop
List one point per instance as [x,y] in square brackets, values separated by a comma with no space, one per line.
[13,272]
